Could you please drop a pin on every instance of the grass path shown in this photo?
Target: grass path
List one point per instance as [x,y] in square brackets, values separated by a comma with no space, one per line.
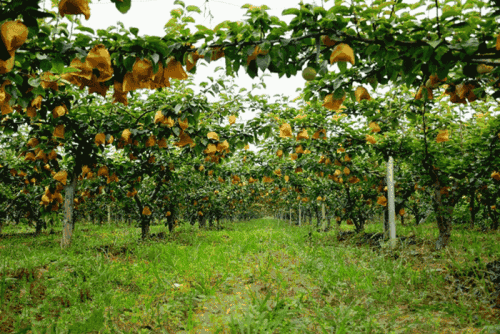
[261,276]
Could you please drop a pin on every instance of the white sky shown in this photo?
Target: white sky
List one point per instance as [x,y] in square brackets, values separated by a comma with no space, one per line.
[150,16]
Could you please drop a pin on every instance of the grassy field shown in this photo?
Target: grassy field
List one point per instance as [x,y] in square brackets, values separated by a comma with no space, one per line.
[262,276]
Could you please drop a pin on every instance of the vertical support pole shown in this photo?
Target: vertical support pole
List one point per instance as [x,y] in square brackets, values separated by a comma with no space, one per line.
[69,205]
[390,195]
[300,216]
[290,216]
[323,224]
[109,214]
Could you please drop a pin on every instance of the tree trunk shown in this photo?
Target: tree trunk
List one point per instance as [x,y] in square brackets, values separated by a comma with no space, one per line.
[38,225]
[417,216]
[201,221]
[359,224]
[472,208]
[145,219]
[318,218]
[300,216]
[69,196]
[444,217]
[145,223]
[444,226]
[493,216]
[73,225]
[170,222]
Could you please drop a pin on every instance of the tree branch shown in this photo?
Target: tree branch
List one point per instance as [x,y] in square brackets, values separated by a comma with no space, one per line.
[437,19]
[157,188]
[139,203]
[139,118]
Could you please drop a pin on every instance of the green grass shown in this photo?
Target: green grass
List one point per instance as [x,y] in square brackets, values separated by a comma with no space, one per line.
[261,276]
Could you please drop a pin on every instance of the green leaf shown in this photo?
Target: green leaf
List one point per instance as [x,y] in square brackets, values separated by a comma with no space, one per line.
[129,63]
[155,57]
[459,25]
[470,46]
[155,68]
[123,6]
[442,71]
[82,40]
[342,66]
[70,70]
[180,3]
[265,46]
[290,11]
[263,61]
[201,27]
[427,53]
[87,29]
[372,48]
[410,77]
[449,13]
[176,13]
[323,68]
[57,67]
[193,9]
[40,56]
[320,10]
[252,69]
[222,25]
[134,31]
[171,23]
[187,19]
[23,102]
[440,51]
[18,80]
[38,91]
[435,44]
